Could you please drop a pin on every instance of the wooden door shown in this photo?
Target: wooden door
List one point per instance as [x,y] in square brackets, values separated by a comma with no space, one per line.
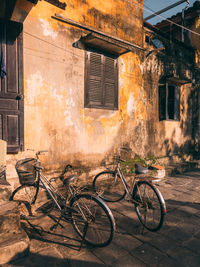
[11,87]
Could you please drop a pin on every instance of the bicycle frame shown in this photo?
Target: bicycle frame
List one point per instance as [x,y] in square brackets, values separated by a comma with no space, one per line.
[119,172]
[55,195]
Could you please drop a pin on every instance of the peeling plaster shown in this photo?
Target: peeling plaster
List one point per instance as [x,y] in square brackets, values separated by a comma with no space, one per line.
[131,105]
[47,30]
[152,65]
[68,113]
[141,66]
[34,81]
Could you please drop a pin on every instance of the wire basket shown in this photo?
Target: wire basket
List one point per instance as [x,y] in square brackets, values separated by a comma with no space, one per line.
[26,171]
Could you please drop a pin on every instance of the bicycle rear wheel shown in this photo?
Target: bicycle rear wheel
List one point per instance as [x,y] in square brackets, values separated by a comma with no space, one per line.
[109,186]
[150,206]
[33,201]
[92,220]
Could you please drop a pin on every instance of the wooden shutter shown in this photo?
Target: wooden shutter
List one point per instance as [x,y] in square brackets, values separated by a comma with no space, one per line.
[177,103]
[162,102]
[111,86]
[11,87]
[94,76]
[101,81]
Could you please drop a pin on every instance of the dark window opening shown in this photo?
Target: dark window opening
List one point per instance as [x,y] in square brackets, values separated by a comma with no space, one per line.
[101,81]
[157,43]
[169,102]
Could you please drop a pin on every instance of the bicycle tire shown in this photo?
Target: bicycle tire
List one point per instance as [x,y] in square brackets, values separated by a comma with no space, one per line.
[150,206]
[33,202]
[108,186]
[92,220]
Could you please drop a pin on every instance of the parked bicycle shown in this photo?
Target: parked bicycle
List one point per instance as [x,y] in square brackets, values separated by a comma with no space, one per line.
[37,197]
[149,203]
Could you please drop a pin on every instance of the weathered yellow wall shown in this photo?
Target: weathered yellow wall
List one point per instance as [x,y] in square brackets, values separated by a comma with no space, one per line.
[166,137]
[55,117]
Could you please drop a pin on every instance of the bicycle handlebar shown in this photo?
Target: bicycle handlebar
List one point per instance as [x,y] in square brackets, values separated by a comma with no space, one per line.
[119,159]
[40,152]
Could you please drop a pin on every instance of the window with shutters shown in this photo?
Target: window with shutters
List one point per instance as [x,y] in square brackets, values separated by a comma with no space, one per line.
[169,102]
[11,86]
[101,81]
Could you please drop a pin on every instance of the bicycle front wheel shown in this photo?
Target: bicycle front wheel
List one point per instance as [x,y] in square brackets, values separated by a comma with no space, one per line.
[109,186]
[33,201]
[149,205]
[92,220]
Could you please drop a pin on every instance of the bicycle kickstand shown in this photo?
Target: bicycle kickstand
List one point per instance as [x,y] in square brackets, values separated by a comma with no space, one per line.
[57,222]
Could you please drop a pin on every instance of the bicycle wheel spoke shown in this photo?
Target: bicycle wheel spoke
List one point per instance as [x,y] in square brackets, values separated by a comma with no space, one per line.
[32,204]
[109,186]
[149,207]
[100,225]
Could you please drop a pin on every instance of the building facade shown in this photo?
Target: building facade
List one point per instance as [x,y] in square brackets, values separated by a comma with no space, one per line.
[79,82]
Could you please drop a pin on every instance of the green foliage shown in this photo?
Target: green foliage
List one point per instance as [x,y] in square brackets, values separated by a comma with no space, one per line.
[128,167]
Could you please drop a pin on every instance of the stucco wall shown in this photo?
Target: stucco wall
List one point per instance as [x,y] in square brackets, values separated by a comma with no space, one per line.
[55,117]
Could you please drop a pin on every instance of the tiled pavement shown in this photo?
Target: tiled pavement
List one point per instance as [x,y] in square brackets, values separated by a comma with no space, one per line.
[176,244]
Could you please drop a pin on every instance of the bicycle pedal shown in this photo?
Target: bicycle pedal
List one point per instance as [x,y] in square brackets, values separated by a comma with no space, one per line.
[53,227]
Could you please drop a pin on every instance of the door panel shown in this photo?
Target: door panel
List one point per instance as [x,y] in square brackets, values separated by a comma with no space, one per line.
[11,86]
[12,133]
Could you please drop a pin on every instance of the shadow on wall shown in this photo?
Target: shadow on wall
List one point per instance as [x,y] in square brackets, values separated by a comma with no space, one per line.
[190,131]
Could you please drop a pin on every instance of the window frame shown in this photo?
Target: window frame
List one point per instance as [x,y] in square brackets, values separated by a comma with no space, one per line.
[103,79]
[164,103]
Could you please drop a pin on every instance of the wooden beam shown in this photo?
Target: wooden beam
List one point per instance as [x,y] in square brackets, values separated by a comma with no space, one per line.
[88,28]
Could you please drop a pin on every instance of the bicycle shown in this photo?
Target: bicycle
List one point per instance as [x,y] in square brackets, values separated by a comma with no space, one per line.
[37,197]
[112,186]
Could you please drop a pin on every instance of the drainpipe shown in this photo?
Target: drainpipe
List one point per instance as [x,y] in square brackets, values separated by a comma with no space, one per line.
[183,20]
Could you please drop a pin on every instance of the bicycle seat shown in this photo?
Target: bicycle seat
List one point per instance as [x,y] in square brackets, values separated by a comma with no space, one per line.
[69,179]
[140,169]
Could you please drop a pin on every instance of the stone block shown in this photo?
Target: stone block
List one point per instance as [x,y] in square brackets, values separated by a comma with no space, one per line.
[9,219]
[14,246]
[5,193]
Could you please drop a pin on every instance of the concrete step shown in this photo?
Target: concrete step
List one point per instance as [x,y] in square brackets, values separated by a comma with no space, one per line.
[13,246]
[14,242]
[177,168]
[9,218]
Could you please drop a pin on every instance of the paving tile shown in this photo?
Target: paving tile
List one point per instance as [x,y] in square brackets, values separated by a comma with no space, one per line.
[169,262]
[148,254]
[84,257]
[176,244]
[191,208]
[163,243]
[126,224]
[128,261]
[185,257]
[177,234]
[193,244]
[127,242]
[110,253]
